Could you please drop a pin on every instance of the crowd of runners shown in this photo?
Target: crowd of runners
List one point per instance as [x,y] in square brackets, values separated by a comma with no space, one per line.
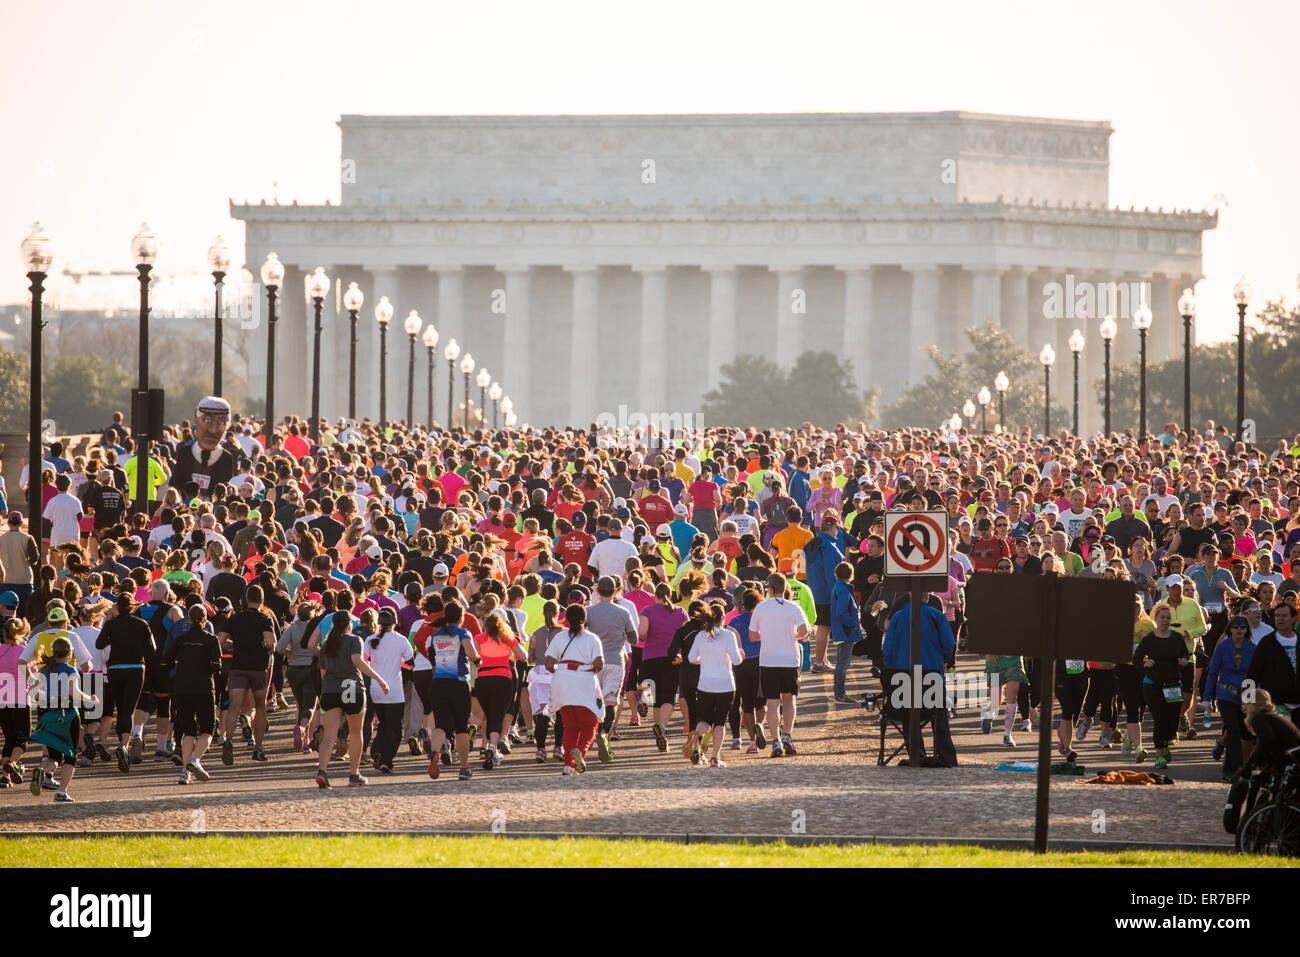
[543,594]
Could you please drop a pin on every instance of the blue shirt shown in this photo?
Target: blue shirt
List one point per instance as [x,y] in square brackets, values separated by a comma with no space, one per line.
[683,533]
[447,652]
[740,625]
[936,639]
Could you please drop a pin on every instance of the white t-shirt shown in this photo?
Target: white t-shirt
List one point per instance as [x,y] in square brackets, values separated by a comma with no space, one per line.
[746,524]
[387,661]
[95,656]
[610,556]
[578,687]
[64,511]
[716,653]
[1073,521]
[1164,501]
[776,620]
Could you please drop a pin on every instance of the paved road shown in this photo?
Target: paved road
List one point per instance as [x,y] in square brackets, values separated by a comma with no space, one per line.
[832,788]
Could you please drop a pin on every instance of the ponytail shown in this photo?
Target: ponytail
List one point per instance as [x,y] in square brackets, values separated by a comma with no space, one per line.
[576,616]
[551,612]
[712,615]
[664,595]
[337,631]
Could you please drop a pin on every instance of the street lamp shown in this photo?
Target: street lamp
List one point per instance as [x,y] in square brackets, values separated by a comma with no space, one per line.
[1187,309]
[1109,329]
[1241,296]
[272,276]
[219,264]
[430,339]
[318,287]
[353,300]
[383,316]
[508,411]
[1047,357]
[1142,323]
[1001,383]
[1076,346]
[494,393]
[38,255]
[450,352]
[467,368]
[985,397]
[411,326]
[483,380]
[968,410]
[144,250]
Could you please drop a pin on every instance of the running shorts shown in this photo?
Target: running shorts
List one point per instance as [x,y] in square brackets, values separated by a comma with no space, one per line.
[778,681]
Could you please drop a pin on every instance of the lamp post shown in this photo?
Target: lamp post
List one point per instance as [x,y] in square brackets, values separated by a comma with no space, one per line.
[38,255]
[144,250]
[1047,356]
[984,397]
[494,393]
[272,276]
[383,316]
[318,287]
[1142,323]
[1108,330]
[1187,309]
[467,369]
[430,339]
[483,380]
[508,412]
[451,352]
[219,263]
[1241,296]
[353,300]
[1076,346]
[1001,383]
[411,326]
[968,410]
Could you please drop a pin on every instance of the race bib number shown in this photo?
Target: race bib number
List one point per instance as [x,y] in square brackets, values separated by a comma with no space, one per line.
[1174,693]
[202,481]
[1073,666]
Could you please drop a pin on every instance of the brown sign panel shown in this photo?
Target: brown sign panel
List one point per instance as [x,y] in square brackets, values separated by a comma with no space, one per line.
[1009,615]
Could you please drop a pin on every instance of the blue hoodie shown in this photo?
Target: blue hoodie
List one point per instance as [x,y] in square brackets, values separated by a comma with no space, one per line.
[821,555]
[846,623]
[1224,679]
[799,488]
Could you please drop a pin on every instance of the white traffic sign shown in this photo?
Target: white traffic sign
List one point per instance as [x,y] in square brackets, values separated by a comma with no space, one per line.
[916,543]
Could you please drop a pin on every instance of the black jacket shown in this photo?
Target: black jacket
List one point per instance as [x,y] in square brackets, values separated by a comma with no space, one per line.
[1271,670]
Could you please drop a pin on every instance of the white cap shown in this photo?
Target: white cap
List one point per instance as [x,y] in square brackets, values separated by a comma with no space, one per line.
[664,530]
[647,540]
[679,509]
[1173,580]
[374,551]
[620,503]
[440,570]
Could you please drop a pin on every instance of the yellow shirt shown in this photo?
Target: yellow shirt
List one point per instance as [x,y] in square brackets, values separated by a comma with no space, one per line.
[1187,618]
[156,475]
[684,472]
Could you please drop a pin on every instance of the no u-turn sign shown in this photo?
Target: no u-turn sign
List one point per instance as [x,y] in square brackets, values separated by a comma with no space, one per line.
[916,543]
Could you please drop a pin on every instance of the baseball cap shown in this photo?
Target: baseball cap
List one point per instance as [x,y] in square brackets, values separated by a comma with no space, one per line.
[375,552]
[830,518]
[1173,580]
[663,531]
[579,519]
[786,566]
[647,540]
[679,509]
[9,600]
[440,570]
[1051,509]
[859,494]
[56,614]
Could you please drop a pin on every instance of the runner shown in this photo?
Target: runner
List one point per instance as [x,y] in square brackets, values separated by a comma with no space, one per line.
[716,652]
[1161,656]
[196,657]
[777,625]
[342,694]
[575,662]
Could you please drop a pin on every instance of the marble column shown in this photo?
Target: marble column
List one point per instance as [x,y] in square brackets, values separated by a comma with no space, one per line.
[291,395]
[451,305]
[583,353]
[516,379]
[859,343]
[986,297]
[1015,296]
[791,295]
[722,321]
[924,320]
[653,359]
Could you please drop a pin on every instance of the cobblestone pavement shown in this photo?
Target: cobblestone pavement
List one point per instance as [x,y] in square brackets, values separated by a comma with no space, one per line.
[832,788]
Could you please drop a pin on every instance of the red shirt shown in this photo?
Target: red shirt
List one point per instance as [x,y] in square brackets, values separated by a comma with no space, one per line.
[296,446]
[984,555]
[655,509]
[575,546]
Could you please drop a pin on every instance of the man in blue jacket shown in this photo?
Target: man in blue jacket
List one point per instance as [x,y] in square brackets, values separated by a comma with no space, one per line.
[823,552]
[799,487]
[937,646]
[846,628]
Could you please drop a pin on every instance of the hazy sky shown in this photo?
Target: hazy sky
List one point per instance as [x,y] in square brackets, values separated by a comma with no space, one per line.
[163,110]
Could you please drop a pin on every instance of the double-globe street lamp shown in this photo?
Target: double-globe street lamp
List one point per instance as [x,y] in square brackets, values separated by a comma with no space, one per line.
[508,411]
[411,326]
[984,397]
[1047,356]
[1241,296]
[383,316]
[1001,383]
[272,276]
[968,410]
[495,393]
[483,380]
[144,250]
[1187,309]
[318,287]
[430,339]
[451,352]
[219,264]
[467,369]
[1142,323]
[1109,328]
[38,256]
[1076,346]
[353,300]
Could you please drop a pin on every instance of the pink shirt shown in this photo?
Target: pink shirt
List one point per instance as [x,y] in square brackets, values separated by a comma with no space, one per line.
[13,677]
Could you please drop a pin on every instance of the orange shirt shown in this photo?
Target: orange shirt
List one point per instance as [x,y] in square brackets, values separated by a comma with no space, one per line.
[790,540]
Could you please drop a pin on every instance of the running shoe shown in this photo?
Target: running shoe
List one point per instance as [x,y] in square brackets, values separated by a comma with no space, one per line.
[1218,751]
[137,749]
[466,774]
[614,735]
[101,750]
[1081,729]
[435,768]
[36,782]
[642,709]
[1027,726]
[530,737]
[759,738]
[691,744]
[634,721]
[246,728]
[177,758]
[1167,754]
[123,759]
[198,770]
[1140,756]
[473,733]
[259,755]
[661,739]
[717,763]
[541,755]
[986,726]
[385,769]
[445,754]
[228,752]
[602,748]
[323,781]
[735,744]
[1162,762]
[498,758]
[280,700]
[753,748]
[1115,736]
[164,750]
[559,753]
[707,741]
[821,668]
[85,761]
[579,763]
[14,772]
[356,781]
[316,737]
[777,750]
[1190,734]
[297,738]
[1105,742]
[184,778]
[1006,740]
[485,755]
[515,736]
[413,744]
[63,797]
[566,770]
[1071,755]
[1128,744]
[788,745]
[503,745]
[1183,724]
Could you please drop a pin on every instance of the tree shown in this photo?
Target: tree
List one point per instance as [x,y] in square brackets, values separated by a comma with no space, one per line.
[819,389]
[958,377]
[14,372]
[82,392]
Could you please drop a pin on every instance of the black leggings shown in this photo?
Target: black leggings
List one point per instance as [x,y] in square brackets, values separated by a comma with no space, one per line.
[1130,692]
[389,735]
[304,681]
[1164,714]
[1070,692]
[494,694]
[663,673]
[1101,690]
[1029,697]
[126,685]
[16,725]
[1234,727]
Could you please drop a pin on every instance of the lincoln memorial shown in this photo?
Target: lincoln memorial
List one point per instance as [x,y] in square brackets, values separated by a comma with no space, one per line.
[593,261]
